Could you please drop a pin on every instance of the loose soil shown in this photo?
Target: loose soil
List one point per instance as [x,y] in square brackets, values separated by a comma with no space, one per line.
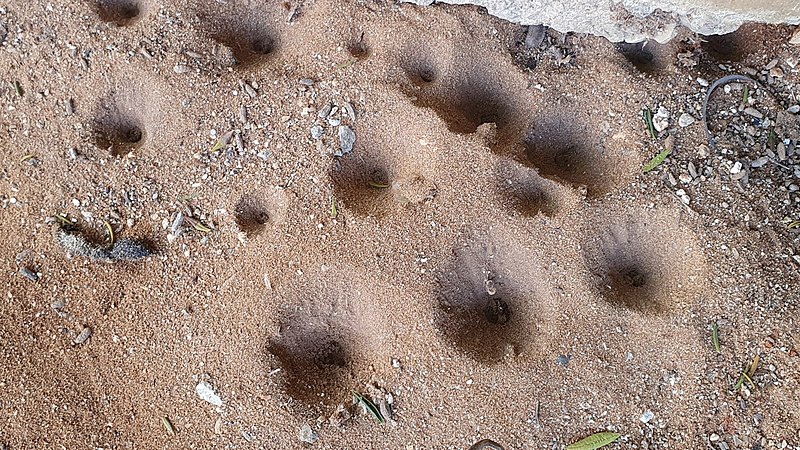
[489,262]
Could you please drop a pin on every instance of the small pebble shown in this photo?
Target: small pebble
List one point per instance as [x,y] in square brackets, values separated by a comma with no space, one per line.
[325,111]
[794,109]
[334,121]
[83,336]
[753,112]
[685,199]
[306,81]
[685,178]
[702,82]
[350,111]
[563,360]
[759,162]
[647,417]
[317,131]
[181,68]
[347,139]
[29,274]
[206,392]
[250,90]
[795,39]
[308,435]
[685,120]
[781,151]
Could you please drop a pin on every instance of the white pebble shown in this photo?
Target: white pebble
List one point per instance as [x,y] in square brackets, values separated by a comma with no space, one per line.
[794,109]
[206,392]
[647,417]
[753,112]
[685,120]
[83,336]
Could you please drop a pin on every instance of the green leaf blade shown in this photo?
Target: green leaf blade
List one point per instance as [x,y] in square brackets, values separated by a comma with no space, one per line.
[656,161]
[594,441]
[370,407]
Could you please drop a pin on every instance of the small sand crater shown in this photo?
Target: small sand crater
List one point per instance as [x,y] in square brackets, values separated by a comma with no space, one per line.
[316,358]
[648,56]
[485,303]
[645,262]
[464,103]
[731,47]
[565,150]
[120,12]
[363,184]
[252,215]
[359,48]
[118,130]
[246,34]
[248,48]
[482,326]
[526,192]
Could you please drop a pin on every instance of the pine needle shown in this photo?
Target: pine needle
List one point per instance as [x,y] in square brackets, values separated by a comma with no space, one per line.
[110,232]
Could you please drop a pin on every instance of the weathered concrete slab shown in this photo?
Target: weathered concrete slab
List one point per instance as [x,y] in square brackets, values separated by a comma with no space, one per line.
[636,20]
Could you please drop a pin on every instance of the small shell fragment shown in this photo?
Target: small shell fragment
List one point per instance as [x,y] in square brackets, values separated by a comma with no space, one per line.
[83,336]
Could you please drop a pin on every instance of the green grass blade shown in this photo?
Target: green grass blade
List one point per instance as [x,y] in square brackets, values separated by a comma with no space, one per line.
[369,406]
[647,115]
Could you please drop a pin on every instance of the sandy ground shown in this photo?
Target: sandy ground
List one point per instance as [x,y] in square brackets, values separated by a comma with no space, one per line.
[489,262]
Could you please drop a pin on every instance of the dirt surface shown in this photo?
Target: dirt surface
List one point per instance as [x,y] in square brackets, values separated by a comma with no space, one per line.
[488,262]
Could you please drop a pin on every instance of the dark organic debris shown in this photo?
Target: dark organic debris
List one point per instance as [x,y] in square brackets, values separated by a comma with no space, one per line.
[122,250]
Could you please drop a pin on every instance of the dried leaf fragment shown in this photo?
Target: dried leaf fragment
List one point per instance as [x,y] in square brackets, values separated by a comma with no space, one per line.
[657,160]
[594,441]
[168,425]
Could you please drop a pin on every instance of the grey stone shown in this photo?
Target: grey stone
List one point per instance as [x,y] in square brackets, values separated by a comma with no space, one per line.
[308,435]
[638,20]
[317,131]
[347,139]
[534,36]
